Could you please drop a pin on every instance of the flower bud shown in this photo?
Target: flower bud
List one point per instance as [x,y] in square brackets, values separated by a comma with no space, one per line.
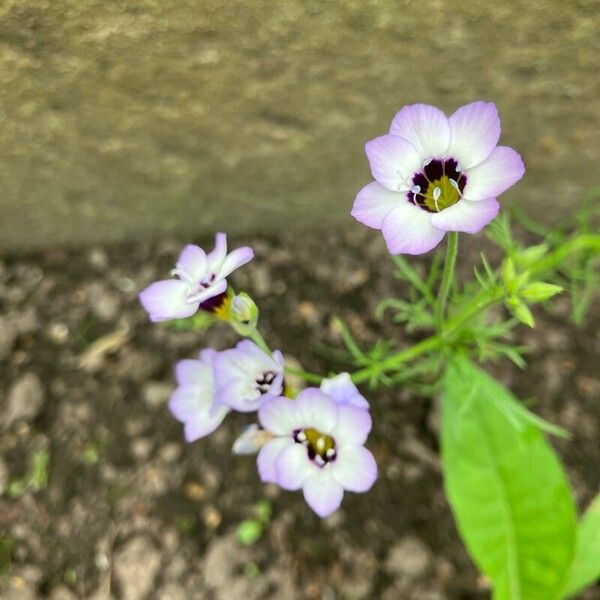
[540,291]
[520,311]
[243,314]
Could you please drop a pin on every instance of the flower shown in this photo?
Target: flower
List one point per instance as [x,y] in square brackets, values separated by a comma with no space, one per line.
[317,447]
[343,391]
[435,174]
[200,281]
[245,376]
[193,402]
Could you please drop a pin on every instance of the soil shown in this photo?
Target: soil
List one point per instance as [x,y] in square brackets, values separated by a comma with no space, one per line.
[130,511]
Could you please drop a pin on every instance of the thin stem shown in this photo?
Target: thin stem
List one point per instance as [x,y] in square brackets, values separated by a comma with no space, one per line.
[451,253]
[309,377]
[259,341]
[394,361]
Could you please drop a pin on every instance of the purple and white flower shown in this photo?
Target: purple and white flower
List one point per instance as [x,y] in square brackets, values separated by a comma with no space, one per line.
[200,279]
[193,402]
[317,447]
[246,376]
[435,174]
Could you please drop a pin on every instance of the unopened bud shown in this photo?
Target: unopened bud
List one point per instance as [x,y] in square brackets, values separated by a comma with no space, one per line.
[243,314]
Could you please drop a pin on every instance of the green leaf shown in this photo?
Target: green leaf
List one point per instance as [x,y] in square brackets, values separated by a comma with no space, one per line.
[506,487]
[586,565]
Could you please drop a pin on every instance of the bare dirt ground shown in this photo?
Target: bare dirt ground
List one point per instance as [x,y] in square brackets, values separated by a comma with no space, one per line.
[129,511]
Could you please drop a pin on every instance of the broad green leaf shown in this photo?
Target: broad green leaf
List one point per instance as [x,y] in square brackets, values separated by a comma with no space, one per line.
[506,487]
[586,564]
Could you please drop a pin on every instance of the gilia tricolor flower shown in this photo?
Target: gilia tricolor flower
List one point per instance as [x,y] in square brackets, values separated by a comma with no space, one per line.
[317,447]
[194,402]
[435,174]
[200,281]
[245,376]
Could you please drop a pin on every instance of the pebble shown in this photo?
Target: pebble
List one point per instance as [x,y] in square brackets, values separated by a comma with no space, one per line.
[156,393]
[409,559]
[136,566]
[25,400]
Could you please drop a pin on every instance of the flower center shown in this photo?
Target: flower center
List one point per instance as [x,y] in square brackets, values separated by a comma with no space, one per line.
[319,447]
[264,381]
[439,185]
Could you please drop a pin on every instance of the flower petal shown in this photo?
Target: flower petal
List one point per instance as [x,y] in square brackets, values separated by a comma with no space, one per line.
[426,127]
[238,393]
[267,458]
[352,427]
[234,260]
[193,372]
[219,287]
[323,493]
[217,256]
[204,423]
[317,410]
[501,169]
[343,391]
[355,468]
[188,401]
[474,133]
[408,230]
[166,299]
[193,261]
[466,215]
[393,161]
[280,416]
[293,467]
[374,203]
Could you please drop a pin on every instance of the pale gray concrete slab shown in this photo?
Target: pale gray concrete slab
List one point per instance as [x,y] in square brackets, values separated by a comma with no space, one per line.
[128,119]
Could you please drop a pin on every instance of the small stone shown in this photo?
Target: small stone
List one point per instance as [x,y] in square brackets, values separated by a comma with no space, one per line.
[194,491]
[58,332]
[212,517]
[409,559]
[156,393]
[98,259]
[25,400]
[170,452]
[136,566]
[141,448]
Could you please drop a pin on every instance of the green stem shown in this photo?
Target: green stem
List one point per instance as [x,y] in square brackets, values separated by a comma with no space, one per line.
[394,361]
[259,341]
[451,253]
[309,377]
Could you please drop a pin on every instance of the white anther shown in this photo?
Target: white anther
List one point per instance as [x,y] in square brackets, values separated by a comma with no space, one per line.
[426,162]
[454,184]
[330,453]
[301,436]
[319,460]
[458,167]
[415,189]
[436,195]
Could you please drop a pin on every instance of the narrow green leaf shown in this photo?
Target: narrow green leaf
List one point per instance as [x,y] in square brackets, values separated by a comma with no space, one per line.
[506,487]
[586,564]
